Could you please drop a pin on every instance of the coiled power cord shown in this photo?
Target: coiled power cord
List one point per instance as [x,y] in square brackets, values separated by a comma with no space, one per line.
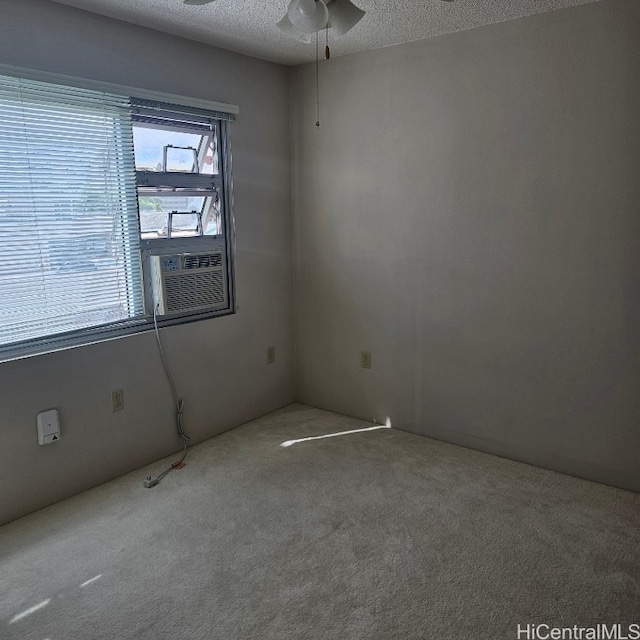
[152,481]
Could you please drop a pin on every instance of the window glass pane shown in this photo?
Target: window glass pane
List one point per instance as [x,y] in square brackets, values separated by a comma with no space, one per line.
[161,148]
[185,225]
[155,210]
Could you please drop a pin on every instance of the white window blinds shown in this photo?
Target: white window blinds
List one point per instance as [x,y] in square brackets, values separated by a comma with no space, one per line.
[69,236]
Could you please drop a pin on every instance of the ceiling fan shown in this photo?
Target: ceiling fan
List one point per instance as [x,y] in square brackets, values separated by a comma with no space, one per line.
[305,17]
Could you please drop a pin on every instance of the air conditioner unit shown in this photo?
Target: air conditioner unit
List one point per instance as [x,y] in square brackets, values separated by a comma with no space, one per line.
[187,282]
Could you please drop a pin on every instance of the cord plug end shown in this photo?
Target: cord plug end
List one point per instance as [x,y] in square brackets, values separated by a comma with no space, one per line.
[150,481]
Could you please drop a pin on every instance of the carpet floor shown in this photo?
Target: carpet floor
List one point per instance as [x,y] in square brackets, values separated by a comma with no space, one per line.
[377,534]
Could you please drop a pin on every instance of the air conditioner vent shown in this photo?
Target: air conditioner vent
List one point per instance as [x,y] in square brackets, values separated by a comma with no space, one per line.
[202,261]
[188,291]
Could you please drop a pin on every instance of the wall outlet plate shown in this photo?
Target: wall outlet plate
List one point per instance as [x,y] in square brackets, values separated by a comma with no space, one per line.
[117,400]
[271,355]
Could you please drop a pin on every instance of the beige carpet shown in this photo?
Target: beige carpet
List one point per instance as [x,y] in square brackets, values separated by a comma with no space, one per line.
[373,535]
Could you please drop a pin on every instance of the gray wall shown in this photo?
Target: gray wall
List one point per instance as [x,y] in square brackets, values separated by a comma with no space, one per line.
[220,364]
[468,212]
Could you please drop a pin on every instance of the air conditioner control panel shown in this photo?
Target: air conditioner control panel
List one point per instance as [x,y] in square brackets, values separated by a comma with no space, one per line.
[170,263]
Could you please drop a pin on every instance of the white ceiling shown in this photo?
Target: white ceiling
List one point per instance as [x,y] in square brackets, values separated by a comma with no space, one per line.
[249,26]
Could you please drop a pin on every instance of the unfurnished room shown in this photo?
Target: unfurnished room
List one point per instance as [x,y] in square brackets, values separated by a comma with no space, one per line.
[319,319]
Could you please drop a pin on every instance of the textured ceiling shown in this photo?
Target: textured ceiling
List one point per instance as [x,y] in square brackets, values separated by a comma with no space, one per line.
[249,26]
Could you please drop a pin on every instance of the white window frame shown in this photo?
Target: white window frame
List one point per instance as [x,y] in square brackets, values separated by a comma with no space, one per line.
[226,113]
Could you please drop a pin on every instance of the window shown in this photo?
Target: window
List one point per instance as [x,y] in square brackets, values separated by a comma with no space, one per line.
[98,193]
[178,172]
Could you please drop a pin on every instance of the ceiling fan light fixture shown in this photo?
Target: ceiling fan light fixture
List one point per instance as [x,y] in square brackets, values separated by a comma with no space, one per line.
[308,16]
[286,27]
[343,16]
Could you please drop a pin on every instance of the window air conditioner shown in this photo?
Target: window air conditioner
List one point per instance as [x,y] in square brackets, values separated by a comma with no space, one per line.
[187,282]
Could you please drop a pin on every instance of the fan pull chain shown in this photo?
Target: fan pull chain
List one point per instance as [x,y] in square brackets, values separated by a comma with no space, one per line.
[327,51]
[317,82]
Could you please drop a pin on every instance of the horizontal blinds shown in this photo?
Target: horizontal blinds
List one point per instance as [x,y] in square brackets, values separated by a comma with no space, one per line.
[69,239]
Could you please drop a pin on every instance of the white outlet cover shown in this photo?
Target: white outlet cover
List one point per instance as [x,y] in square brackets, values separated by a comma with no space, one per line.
[48,426]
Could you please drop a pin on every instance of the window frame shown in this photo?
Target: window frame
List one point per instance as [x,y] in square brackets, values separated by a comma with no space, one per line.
[91,335]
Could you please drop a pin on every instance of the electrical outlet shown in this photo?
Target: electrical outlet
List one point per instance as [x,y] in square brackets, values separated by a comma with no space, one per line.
[365,359]
[271,355]
[117,400]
